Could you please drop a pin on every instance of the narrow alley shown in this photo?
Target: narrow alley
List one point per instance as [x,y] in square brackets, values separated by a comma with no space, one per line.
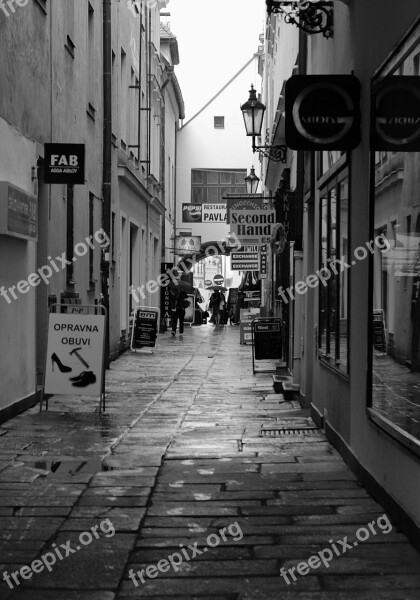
[198,468]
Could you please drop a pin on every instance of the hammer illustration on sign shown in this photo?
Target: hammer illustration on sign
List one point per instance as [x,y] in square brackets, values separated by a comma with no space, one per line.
[82,360]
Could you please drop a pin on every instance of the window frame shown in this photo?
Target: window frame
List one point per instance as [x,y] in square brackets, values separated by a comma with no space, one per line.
[329,181]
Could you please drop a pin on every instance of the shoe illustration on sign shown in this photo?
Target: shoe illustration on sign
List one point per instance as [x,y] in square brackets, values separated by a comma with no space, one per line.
[57,361]
[84,379]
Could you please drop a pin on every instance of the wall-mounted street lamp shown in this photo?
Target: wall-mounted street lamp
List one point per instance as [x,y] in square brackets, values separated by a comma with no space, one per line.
[312,16]
[253,113]
[251,182]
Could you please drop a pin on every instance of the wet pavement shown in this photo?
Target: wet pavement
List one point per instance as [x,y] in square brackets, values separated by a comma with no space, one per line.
[198,482]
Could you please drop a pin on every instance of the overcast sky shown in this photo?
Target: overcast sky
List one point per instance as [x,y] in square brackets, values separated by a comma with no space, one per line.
[216,38]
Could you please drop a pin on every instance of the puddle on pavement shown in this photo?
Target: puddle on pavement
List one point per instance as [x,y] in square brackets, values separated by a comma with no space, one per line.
[70,467]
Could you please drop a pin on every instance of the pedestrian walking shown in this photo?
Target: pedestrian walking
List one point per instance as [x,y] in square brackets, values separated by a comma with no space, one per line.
[179,304]
[214,305]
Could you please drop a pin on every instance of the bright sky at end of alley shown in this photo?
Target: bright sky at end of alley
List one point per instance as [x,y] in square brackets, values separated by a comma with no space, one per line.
[215,40]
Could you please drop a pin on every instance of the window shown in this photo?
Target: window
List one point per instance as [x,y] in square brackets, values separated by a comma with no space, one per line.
[91,232]
[91,71]
[333,287]
[69,43]
[123,99]
[394,402]
[211,185]
[219,122]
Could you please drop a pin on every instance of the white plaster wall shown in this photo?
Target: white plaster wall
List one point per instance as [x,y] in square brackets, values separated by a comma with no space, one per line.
[201,146]
[17,261]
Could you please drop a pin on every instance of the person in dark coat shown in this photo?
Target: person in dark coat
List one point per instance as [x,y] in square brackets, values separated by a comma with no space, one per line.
[179,304]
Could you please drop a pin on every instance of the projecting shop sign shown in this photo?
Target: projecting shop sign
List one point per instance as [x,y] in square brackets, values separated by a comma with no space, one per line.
[64,163]
[243,203]
[322,112]
[396,103]
[75,354]
[253,226]
[204,213]
[244,261]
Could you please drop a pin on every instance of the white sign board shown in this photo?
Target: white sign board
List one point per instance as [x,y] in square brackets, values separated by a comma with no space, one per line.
[253,227]
[75,354]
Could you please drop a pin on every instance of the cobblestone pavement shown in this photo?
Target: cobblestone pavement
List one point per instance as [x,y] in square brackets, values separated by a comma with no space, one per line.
[183,464]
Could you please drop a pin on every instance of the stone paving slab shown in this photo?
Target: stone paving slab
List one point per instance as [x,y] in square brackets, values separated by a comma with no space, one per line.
[176,463]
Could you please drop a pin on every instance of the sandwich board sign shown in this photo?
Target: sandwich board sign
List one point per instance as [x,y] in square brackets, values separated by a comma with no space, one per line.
[145,327]
[75,354]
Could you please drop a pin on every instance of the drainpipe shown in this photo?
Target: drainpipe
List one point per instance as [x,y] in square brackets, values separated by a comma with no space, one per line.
[107,160]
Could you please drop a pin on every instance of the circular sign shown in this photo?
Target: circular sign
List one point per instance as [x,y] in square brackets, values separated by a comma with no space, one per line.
[323,113]
[208,282]
[397,119]
[218,279]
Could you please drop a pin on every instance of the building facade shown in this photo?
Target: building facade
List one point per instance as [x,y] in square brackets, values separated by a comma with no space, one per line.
[352,217]
[92,74]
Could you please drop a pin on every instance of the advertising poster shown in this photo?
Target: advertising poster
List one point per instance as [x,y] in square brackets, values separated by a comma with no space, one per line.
[75,353]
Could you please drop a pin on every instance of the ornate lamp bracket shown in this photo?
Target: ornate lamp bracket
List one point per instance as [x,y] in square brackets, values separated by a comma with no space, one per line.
[312,16]
[274,153]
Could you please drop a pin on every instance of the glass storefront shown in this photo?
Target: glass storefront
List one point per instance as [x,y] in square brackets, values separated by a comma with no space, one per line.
[395,377]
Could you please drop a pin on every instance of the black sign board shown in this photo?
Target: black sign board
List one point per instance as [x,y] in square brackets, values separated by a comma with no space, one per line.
[64,163]
[267,339]
[396,118]
[379,339]
[145,328]
[322,112]
[165,295]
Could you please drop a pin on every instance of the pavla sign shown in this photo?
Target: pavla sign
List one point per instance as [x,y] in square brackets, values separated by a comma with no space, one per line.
[64,163]
[322,112]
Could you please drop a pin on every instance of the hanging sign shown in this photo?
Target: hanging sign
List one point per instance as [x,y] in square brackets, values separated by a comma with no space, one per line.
[253,226]
[322,112]
[263,262]
[64,163]
[75,354]
[145,327]
[396,103]
[204,213]
[244,261]
[187,244]
[165,294]
[250,202]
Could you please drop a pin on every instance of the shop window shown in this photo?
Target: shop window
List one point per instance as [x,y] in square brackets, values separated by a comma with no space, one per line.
[333,287]
[394,399]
